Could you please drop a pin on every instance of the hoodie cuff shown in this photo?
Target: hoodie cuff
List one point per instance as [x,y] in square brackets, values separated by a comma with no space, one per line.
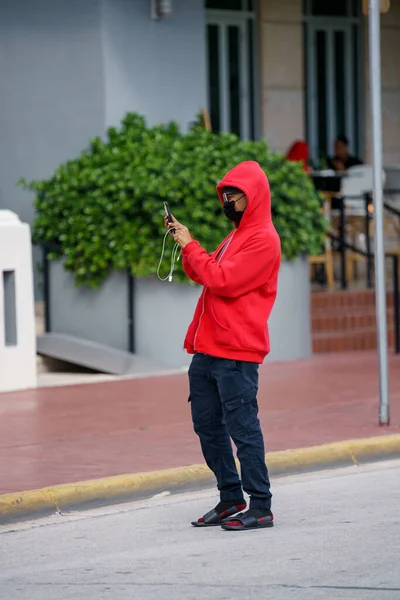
[190,247]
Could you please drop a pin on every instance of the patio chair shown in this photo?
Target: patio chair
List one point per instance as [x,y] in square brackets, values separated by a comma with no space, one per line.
[357,182]
[326,258]
[392,194]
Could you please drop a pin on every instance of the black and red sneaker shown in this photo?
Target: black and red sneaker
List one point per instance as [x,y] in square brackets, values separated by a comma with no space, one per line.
[218,515]
[254,518]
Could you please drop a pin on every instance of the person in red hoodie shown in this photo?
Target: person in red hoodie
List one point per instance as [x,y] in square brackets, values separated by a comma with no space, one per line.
[229,339]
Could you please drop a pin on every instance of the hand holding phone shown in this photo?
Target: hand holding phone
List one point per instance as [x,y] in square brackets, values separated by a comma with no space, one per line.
[168,215]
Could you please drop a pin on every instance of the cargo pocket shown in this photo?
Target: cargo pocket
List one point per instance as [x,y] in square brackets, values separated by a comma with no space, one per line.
[238,402]
[239,415]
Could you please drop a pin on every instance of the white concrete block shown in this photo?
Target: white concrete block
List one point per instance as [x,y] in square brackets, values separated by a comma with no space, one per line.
[17,319]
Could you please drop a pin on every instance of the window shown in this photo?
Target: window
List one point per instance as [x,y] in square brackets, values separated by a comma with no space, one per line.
[333,70]
[329,8]
[230,4]
[214,76]
[332,8]
[231,80]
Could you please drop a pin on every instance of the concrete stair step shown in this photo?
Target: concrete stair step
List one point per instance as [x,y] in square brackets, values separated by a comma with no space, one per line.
[347,310]
[339,341]
[347,320]
[346,299]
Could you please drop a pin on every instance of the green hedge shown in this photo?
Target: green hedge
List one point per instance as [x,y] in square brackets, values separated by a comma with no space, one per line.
[104,209]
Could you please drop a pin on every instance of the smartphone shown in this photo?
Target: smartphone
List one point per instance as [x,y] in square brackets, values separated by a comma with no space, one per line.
[168,214]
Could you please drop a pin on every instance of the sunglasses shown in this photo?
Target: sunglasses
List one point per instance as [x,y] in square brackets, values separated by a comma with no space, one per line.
[227,196]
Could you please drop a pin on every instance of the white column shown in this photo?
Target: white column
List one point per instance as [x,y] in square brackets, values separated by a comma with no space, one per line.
[17,311]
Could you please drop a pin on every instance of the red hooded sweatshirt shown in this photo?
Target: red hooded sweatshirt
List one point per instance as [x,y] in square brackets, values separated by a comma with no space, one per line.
[240,278]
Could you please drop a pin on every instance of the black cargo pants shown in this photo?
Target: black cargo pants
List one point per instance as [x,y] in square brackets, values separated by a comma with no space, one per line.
[224,405]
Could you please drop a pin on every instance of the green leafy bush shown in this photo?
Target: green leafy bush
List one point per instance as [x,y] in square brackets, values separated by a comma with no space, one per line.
[103,210]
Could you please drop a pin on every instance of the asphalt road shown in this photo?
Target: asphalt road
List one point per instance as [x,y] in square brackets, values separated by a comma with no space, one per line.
[337,536]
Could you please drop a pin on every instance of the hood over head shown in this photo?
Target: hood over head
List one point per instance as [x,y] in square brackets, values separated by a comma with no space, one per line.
[249,177]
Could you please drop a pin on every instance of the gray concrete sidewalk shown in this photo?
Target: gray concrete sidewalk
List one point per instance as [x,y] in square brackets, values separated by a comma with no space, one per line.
[320,549]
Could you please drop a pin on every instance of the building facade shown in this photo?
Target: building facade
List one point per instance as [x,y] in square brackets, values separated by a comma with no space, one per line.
[278,69]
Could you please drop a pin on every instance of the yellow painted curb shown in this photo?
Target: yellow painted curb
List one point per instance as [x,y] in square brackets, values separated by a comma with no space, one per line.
[97,492]
[349,451]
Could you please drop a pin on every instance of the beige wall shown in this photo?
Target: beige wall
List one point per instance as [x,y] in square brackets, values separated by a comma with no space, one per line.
[282,72]
[390,37]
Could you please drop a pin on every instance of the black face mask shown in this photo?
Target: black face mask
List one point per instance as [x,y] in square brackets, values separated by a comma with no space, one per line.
[231,212]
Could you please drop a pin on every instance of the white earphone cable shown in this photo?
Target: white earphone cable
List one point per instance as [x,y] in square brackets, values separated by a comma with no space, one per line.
[175,257]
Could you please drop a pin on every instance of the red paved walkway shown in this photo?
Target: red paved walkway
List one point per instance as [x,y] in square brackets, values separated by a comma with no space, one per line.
[62,435]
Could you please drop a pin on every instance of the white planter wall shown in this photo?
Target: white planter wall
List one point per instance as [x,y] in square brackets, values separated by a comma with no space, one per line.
[98,315]
[163,311]
[290,322]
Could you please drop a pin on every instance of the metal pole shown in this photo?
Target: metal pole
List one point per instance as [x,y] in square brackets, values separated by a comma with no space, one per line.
[396,302]
[131,313]
[46,289]
[380,287]
[368,241]
[342,243]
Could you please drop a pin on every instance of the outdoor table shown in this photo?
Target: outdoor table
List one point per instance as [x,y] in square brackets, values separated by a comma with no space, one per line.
[324,182]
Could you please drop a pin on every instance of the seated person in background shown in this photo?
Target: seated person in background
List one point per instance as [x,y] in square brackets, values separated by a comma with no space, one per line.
[342,159]
[299,152]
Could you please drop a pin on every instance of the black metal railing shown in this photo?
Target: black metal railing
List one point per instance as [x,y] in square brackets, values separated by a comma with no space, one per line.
[344,246]
[340,204]
[47,248]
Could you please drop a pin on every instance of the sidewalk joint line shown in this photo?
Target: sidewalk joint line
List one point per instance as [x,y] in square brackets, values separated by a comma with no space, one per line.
[52,498]
[353,458]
